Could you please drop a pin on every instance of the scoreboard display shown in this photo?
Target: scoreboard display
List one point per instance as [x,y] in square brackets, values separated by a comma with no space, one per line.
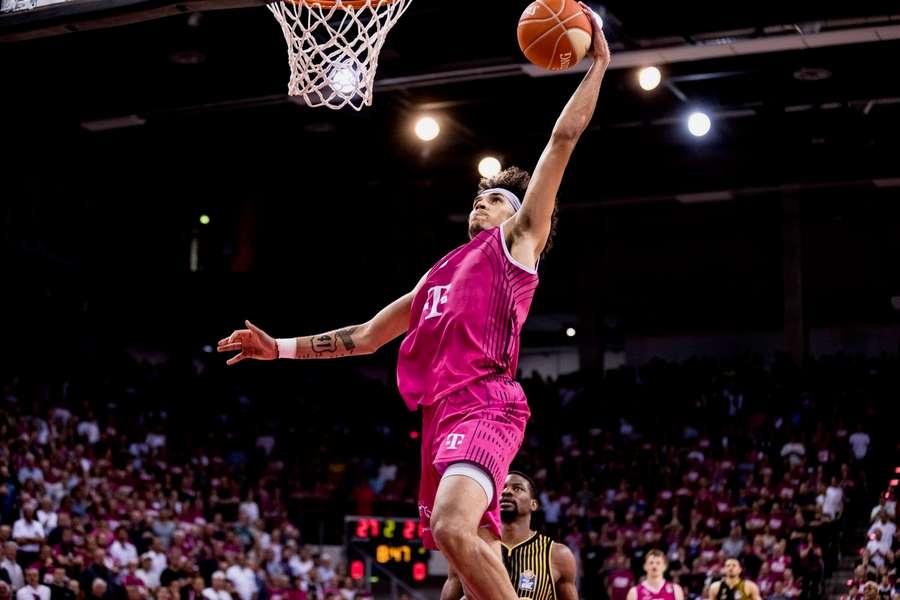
[393,543]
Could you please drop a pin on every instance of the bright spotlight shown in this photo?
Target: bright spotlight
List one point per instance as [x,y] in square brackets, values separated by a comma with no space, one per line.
[427,128]
[699,124]
[649,78]
[489,166]
[344,80]
[570,332]
[204,219]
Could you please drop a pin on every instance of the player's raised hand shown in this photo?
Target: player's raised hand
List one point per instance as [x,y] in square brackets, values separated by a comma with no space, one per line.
[599,48]
[252,342]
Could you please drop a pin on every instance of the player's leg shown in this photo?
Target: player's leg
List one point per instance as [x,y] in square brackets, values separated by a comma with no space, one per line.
[453,588]
[459,506]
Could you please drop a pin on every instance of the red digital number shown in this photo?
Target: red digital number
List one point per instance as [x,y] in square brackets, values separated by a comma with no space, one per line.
[367,528]
[421,531]
[357,569]
[420,571]
[409,530]
[362,529]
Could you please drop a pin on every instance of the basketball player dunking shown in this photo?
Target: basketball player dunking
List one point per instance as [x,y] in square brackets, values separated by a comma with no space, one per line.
[458,360]
[733,586]
[539,568]
[655,587]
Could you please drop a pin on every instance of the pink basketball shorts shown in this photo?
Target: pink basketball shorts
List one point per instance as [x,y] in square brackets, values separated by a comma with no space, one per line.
[482,424]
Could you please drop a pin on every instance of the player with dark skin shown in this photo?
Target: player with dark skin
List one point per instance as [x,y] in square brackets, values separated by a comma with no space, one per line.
[460,502]
[517,504]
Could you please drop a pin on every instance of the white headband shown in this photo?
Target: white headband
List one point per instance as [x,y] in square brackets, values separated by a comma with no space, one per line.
[510,197]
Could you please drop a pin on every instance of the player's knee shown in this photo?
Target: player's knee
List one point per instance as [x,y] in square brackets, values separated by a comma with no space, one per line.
[451,533]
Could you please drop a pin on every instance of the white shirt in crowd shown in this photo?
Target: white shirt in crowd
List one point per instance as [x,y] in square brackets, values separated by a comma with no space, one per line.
[888,530]
[63,414]
[552,508]
[41,592]
[860,441]
[48,519]
[155,440]
[16,576]
[300,568]
[876,553]
[42,430]
[24,529]
[90,430]
[267,443]
[244,581]
[833,503]
[890,507]
[122,554]
[26,473]
[159,561]
[150,579]
[251,509]
[795,451]
[211,594]
[326,574]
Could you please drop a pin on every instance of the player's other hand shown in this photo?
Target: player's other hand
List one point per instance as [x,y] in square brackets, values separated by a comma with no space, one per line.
[252,342]
[599,48]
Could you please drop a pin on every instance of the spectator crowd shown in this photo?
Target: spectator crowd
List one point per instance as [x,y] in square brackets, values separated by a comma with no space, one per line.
[117,485]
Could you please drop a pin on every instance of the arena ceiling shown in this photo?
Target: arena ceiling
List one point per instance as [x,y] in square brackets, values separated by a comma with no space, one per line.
[121,135]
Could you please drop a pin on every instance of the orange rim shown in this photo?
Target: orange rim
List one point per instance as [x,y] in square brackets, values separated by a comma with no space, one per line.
[355,4]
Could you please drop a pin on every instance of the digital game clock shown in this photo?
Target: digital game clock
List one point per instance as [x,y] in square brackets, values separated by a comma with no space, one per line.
[392,543]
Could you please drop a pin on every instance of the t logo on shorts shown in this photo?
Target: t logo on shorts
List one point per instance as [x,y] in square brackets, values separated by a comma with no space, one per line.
[454,440]
[436,296]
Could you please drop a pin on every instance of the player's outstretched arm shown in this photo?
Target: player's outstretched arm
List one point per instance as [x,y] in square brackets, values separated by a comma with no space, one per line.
[531,225]
[714,590]
[354,340]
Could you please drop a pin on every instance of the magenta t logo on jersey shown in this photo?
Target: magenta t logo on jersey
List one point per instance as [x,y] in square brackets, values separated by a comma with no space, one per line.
[454,440]
[437,295]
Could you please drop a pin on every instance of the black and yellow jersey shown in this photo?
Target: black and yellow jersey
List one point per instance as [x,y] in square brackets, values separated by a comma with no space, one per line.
[738,592]
[528,564]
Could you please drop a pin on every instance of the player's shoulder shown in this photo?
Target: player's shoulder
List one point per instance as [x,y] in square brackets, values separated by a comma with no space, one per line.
[561,550]
[562,557]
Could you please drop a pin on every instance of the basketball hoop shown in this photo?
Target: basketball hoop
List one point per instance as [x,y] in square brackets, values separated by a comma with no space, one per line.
[333,47]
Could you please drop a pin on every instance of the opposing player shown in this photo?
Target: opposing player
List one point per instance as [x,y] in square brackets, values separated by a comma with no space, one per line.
[458,360]
[654,586]
[733,586]
[538,567]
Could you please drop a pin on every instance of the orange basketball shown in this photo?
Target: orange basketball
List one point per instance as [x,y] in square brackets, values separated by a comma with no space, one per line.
[554,34]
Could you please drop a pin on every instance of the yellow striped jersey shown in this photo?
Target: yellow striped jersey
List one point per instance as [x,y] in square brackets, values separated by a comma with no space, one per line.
[528,564]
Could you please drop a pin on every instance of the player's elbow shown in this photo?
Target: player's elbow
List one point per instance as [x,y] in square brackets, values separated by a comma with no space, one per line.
[366,341]
[565,135]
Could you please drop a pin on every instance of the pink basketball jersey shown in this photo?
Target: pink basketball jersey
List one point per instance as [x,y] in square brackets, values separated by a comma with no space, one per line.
[666,592]
[465,320]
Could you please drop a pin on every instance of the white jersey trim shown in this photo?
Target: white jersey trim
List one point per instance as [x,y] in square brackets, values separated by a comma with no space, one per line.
[510,257]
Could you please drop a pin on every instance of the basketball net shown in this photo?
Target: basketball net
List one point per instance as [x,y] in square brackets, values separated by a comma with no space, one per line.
[333,48]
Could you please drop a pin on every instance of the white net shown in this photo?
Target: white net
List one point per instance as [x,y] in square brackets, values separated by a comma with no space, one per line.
[333,48]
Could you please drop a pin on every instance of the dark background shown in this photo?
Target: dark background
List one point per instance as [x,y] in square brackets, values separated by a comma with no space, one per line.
[320,218]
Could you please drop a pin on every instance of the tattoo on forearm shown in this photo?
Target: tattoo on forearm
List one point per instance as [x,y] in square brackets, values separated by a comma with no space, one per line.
[346,337]
[322,343]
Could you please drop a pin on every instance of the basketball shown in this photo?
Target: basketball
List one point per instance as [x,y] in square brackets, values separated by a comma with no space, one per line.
[554,34]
